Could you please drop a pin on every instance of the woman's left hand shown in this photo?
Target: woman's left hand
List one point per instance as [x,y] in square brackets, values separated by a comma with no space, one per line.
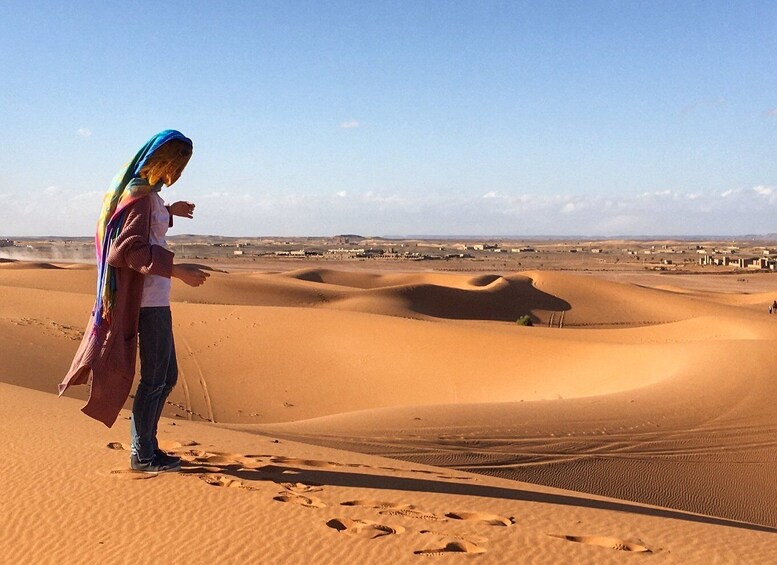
[183,209]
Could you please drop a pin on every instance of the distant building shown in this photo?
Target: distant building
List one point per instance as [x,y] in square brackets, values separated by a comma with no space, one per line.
[759,263]
[296,253]
[359,252]
[485,246]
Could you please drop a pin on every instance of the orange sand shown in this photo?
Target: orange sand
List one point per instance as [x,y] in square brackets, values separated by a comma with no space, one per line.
[653,405]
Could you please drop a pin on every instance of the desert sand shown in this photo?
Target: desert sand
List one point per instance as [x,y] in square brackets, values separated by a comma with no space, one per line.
[336,416]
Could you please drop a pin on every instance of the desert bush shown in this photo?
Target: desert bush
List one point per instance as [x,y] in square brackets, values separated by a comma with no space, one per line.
[524,320]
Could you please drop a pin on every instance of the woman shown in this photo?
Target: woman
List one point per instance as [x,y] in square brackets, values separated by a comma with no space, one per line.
[134,268]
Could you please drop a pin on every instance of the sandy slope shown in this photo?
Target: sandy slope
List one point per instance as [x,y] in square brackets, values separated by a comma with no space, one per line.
[657,393]
[245,498]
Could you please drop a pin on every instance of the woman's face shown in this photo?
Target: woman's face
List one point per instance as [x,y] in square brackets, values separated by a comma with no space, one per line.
[167,163]
[174,169]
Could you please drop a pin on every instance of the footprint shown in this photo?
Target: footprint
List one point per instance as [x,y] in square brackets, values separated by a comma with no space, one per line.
[376,504]
[364,528]
[218,460]
[129,474]
[276,470]
[459,546]
[490,519]
[413,513]
[172,445]
[300,488]
[115,445]
[395,509]
[305,462]
[472,539]
[223,481]
[307,501]
[213,459]
[608,542]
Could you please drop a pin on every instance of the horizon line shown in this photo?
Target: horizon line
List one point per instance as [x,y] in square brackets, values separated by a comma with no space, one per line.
[399,237]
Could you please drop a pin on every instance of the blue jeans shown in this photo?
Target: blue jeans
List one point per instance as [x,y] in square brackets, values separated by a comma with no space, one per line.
[158,375]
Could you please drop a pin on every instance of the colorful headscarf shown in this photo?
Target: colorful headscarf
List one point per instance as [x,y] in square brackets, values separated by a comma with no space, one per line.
[126,188]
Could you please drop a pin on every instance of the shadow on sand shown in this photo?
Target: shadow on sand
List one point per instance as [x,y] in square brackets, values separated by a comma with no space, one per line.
[281,473]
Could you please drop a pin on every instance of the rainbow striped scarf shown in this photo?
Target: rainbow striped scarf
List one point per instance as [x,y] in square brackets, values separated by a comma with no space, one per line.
[126,188]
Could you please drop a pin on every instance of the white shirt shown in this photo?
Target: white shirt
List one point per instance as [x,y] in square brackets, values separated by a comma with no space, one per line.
[156,289]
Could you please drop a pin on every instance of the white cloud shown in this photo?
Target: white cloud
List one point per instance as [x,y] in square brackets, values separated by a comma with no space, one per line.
[350,124]
[772,112]
[735,211]
[83,132]
[767,193]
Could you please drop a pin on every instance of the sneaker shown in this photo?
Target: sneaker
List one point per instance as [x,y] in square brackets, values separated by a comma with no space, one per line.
[167,459]
[153,465]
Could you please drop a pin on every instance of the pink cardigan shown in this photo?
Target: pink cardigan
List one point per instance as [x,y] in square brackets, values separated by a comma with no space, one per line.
[108,355]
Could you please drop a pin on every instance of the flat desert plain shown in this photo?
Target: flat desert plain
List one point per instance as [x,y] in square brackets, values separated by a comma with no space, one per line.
[356,416]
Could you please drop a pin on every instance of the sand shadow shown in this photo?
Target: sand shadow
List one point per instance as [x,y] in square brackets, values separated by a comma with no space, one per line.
[509,300]
[490,297]
[282,474]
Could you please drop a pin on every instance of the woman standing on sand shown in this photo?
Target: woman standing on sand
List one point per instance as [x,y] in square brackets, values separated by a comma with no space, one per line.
[134,268]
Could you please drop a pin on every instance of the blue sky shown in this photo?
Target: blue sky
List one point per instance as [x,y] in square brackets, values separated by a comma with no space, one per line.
[392,118]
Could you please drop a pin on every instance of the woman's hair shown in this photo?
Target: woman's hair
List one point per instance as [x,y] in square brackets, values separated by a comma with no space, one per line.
[167,163]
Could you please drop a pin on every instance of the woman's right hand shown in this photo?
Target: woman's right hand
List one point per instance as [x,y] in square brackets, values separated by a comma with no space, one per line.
[190,274]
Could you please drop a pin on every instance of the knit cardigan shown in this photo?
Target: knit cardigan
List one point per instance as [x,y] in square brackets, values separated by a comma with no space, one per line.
[107,355]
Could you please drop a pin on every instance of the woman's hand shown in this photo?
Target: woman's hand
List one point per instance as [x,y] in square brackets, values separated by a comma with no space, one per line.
[182,208]
[190,274]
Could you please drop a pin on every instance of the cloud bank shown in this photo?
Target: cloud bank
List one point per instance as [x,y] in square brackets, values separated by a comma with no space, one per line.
[735,211]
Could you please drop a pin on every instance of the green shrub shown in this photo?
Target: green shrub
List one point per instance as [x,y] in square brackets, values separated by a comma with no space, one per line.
[524,320]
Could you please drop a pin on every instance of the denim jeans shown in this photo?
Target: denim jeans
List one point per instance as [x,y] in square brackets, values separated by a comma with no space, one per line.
[158,375]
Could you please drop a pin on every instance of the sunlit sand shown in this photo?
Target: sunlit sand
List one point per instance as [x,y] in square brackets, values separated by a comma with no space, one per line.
[339,416]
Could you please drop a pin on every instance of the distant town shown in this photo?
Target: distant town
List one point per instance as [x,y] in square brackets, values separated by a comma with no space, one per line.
[682,256]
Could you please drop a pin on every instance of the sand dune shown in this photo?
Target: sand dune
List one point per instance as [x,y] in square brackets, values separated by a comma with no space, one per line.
[660,395]
[252,498]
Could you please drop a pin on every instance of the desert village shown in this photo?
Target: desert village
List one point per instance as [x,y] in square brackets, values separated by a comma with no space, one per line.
[464,254]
